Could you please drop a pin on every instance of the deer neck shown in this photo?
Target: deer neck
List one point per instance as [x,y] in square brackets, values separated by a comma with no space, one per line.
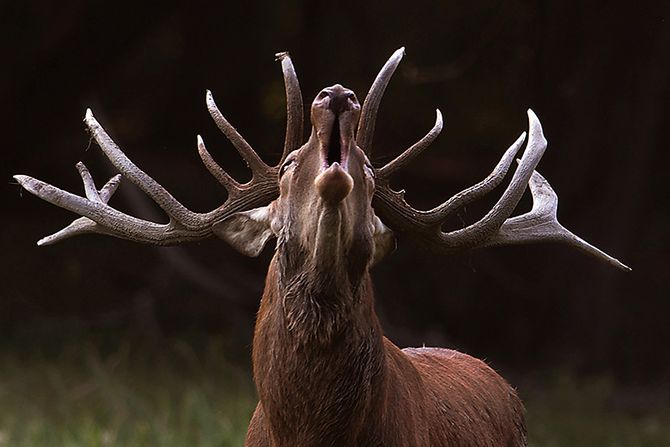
[325,289]
[318,352]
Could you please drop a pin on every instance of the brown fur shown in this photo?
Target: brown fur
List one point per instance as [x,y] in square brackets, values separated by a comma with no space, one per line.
[353,387]
[325,373]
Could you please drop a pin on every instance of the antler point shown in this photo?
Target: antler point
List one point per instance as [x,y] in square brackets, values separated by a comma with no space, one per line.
[439,118]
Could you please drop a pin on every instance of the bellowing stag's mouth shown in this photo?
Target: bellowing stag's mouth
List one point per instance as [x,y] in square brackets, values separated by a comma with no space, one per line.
[335,113]
[334,149]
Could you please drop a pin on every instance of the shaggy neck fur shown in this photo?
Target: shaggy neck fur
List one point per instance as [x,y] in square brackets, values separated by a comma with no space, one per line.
[321,349]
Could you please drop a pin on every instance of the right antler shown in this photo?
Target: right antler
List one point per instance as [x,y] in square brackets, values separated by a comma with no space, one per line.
[496,227]
[184,224]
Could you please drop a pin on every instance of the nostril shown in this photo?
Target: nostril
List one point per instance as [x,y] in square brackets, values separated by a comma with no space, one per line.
[352,97]
[322,95]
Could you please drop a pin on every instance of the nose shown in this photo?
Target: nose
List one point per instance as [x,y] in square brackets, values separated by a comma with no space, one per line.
[338,99]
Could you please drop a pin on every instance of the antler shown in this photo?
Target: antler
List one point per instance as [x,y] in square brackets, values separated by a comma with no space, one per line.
[184,224]
[366,124]
[294,107]
[495,228]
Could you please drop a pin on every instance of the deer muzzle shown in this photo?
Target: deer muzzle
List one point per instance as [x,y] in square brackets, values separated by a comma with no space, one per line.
[335,113]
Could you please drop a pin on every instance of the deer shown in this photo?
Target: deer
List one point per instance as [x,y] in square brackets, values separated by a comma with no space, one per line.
[325,373]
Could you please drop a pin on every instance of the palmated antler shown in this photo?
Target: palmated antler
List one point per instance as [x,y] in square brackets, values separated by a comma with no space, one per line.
[184,224]
[496,227]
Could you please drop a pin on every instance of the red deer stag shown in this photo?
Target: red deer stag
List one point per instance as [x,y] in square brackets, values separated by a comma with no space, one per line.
[325,373]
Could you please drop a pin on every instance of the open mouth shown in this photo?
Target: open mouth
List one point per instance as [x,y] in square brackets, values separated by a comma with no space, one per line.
[334,151]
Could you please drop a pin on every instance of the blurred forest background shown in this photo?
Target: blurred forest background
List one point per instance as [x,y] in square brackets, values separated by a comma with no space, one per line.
[106,342]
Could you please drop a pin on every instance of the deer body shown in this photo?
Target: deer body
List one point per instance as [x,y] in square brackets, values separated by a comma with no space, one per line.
[356,388]
[325,373]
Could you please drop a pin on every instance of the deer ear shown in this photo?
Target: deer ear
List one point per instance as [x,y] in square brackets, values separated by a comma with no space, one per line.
[246,231]
[384,241]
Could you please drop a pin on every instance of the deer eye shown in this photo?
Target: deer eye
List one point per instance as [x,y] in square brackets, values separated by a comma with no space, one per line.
[287,164]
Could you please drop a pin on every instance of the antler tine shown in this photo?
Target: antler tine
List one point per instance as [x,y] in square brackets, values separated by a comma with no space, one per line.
[254,162]
[84,225]
[366,125]
[540,224]
[294,106]
[474,192]
[427,224]
[89,185]
[231,185]
[110,188]
[413,151]
[474,234]
[151,187]
[110,220]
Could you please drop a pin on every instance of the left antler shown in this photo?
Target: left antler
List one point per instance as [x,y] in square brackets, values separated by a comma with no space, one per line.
[496,227]
[184,224]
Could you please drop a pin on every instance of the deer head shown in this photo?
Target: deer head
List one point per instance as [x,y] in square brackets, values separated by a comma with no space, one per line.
[324,193]
[324,209]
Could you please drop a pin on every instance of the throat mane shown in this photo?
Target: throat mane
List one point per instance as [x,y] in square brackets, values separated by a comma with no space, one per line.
[317,307]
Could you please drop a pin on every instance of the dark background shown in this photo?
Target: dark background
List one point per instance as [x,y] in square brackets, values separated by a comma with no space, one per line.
[596,74]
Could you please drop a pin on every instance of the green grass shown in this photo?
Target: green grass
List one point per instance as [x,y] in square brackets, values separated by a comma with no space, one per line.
[180,396]
[78,398]
[567,412]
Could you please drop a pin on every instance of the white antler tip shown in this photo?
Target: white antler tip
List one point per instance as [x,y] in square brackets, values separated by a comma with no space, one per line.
[535,127]
[22,179]
[282,55]
[533,120]
[199,140]
[89,115]
[28,183]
